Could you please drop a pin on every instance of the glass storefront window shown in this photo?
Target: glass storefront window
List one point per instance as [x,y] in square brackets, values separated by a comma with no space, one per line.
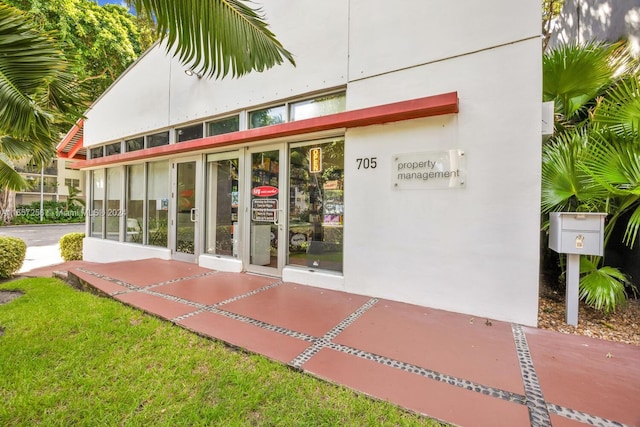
[135,203]
[96,152]
[264,205]
[158,203]
[96,208]
[188,133]
[317,107]
[316,207]
[222,207]
[222,126]
[114,194]
[267,117]
[185,239]
[157,139]
[112,149]
[134,144]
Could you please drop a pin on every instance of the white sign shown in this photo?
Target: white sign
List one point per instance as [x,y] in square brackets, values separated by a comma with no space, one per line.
[264,210]
[429,170]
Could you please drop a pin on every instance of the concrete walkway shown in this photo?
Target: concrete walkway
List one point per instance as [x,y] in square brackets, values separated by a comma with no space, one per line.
[41,256]
[452,367]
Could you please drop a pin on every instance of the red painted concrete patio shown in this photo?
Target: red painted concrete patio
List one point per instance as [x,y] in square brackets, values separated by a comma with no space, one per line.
[453,367]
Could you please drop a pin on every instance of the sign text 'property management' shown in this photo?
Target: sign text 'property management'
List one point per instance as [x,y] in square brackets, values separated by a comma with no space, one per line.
[429,170]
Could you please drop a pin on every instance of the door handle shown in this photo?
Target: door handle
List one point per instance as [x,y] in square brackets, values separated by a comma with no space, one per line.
[276,216]
[193,214]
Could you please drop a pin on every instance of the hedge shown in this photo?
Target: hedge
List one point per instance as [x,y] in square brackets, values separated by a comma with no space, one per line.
[12,253]
[71,246]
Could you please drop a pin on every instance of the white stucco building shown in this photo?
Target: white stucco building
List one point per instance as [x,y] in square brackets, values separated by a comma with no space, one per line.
[400,158]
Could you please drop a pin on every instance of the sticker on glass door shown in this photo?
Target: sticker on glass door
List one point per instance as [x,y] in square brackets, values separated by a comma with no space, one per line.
[265,208]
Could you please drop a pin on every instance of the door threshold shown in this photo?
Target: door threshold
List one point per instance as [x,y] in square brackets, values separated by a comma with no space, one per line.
[253,273]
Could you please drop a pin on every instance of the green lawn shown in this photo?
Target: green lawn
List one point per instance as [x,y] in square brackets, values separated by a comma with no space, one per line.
[72,358]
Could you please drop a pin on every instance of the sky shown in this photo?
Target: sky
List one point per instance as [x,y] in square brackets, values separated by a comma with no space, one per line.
[103,2]
[120,2]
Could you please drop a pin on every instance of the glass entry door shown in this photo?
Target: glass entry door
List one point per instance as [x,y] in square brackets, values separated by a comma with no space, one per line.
[186,176]
[266,210]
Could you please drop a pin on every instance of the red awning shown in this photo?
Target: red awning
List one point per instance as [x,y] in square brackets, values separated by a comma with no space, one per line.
[71,146]
[446,103]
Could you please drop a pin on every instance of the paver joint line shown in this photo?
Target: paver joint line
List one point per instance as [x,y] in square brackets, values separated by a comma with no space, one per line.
[327,339]
[262,325]
[538,413]
[539,409]
[181,279]
[582,417]
[213,307]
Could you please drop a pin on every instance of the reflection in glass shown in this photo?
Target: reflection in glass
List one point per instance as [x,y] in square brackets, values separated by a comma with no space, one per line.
[186,203]
[96,208]
[157,139]
[96,152]
[316,207]
[158,203]
[228,125]
[134,144]
[112,149]
[135,203]
[114,193]
[222,207]
[267,117]
[188,133]
[265,167]
[317,107]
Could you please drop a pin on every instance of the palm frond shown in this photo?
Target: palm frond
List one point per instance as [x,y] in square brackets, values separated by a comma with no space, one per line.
[565,185]
[8,175]
[623,60]
[41,150]
[216,37]
[602,288]
[573,75]
[633,226]
[30,68]
[619,110]
[613,162]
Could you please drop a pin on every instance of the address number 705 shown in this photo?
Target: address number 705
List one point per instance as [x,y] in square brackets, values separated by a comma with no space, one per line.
[367,162]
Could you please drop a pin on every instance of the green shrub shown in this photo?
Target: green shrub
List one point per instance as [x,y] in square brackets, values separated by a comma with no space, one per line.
[71,246]
[53,212]
[12,252]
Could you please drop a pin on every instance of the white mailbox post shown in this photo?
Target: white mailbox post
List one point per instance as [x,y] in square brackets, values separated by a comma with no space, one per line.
[575,234]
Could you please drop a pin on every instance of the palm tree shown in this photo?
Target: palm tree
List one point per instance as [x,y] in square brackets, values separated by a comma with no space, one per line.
[37,93]
[215,37]
[593,161]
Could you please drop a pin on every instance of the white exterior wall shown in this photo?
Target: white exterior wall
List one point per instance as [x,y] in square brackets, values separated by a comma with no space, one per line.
[64,173]
[472,250]
[138,102]
[101,250]
[156,93]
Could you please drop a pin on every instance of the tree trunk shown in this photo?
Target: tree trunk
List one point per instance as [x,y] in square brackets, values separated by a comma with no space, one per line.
[7,205]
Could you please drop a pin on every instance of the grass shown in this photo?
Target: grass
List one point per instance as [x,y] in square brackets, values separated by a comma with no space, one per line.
[72,358]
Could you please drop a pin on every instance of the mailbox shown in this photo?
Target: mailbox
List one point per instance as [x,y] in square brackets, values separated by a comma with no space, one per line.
[580,233]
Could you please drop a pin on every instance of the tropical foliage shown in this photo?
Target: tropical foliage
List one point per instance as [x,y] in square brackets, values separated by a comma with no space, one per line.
[592,164]
[216,37]
[12,253]
[102,41]
[37,93]
[40,92]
